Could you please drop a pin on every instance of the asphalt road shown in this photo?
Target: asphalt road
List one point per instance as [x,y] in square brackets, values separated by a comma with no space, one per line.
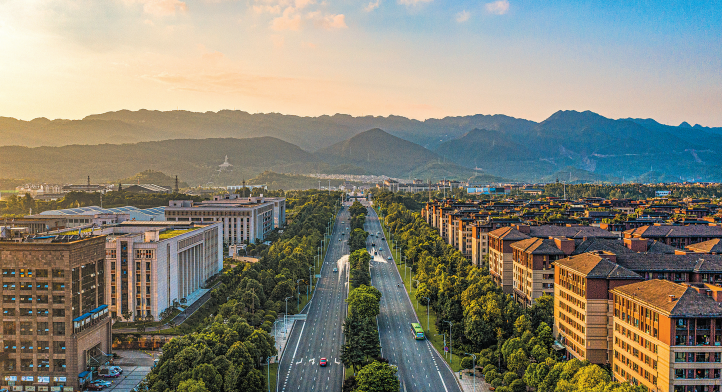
[321,335]
[419,367]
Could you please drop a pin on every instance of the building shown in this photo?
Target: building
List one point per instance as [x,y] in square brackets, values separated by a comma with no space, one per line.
[676,236]
[55,322]
[500,256]
[146,188]
[97,216]
[533,271]
[667,336]
[153,265]
[582,303]
[243,218]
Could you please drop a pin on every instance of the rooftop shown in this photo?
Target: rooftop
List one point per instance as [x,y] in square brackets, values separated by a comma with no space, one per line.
[710,246]
[537,246]
[174,233]
[593,265]
[508,234]
[671,298]
[661,231]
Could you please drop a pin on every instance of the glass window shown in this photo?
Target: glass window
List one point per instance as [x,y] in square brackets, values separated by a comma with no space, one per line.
[9,328]
[58,286]
[59,329]
[26,328]
[59,365]
[26,299]
[26,346]
[58,347]
[58,299]
[41,273]
[26,285]
[42,286]
[58,312]
[26,273]
[43,346]
[26,312]
[43,328]
[9,298]
[10,346]
[9,285]
[8,272]
[58,273]
[8,312]
[26,365]
[42,299]
[43,364]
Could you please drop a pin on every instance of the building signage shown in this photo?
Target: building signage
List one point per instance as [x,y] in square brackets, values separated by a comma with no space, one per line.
[55,389]
[17,388]
[30,388]
[42,389]
[662,193]
[27,378]
[44,379]
[11,378]
[60,379]
[67,389]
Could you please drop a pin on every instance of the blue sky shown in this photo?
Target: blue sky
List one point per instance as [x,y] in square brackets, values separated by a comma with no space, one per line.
[416,58]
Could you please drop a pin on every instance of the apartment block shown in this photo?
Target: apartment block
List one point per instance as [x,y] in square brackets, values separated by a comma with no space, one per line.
[500,256]
[533,271]
[668,336]
[583,306]
[676,235]
[55,321]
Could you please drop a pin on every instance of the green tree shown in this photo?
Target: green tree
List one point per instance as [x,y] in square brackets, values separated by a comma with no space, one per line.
[518,361]
[377,377]
[364,301]
[192,386]
[521,325]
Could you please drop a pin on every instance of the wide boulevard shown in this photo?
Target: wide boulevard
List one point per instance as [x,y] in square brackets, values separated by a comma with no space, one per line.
[420,368]
[321,335]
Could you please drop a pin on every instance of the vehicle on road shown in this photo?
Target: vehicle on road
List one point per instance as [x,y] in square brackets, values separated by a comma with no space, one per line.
[376,253]
[381,249]
[335,269]
[417,331]
[378,233]
[116,368]
[339,240]
[388,258]
[95,387]
[373,244]
[107,373]
[102,382]
[323,362]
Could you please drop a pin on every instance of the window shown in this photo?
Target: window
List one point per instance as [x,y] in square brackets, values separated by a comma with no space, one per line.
[58,312]
[26,328]
[43,286]
[41,299]
[9,285]
[41,273]
[58,347]
[9,298]
[8,273]
[43,328]
[26,285]
[26,299]
[26,346]
[26,273]
[8,312]
[10,346]
[9,328]
[58,273]
[58,299]
[26,312]
[59,329]
[59,365]
[58,286]
[43,365]
[26,365]
[43,347]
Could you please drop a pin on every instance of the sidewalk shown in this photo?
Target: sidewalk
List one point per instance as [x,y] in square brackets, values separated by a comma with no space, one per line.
[280,337]
[467,381]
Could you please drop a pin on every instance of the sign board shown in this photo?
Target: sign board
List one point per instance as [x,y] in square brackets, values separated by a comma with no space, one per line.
[42,389]
[318,276]
[30,388]
[446,349]
[11,378]
[60,379]
[27,378]
[45,379]
[55,389]
[17,388]
[67,389]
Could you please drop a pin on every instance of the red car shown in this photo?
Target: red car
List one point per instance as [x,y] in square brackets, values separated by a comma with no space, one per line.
[95,387]
[323,362]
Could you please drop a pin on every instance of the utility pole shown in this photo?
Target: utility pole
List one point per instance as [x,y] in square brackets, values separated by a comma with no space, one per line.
[451,346]
[428,305]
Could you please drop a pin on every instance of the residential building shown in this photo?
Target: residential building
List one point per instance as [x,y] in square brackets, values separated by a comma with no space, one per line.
[153,265]
[55,321]
[676,236]
[667,336]
[582,304]
[243,218]
[500,256]
[533,271]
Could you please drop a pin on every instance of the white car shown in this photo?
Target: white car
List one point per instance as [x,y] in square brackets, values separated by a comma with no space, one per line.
[335,269]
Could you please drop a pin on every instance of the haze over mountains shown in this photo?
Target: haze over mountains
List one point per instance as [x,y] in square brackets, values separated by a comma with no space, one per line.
[585,144]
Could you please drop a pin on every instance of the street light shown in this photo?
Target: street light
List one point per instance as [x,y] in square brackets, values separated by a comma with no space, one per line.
[310,284]
[268,373]
[416,292]
[428,305]
[473,367]
[274,332]
[451,346]
[285,324]
[298,294]
[405,266]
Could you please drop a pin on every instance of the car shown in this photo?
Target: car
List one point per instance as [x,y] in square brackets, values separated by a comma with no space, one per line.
[335,269]
[389,257]
[381,249]
[116,368]
[95,387]
[373,244]
[339,240]
[323,362]
[376,253]
[102,382]
[107,373]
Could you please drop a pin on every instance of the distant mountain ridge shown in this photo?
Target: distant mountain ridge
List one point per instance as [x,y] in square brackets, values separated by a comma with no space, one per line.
[602,148]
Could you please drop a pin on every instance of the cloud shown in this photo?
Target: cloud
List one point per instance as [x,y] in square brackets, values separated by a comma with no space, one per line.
[330,22]
[372,6]
[298,13]
[290,20]
[499,7]
[463,16]
[160,7]
[414,2]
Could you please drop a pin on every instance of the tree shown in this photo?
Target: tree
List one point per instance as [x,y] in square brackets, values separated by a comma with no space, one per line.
[377,377]
[192,385]
[467,363]
[521,325]
[364,301]
[518,361]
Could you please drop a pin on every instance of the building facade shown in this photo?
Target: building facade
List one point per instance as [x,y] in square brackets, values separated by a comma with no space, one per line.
[533,269]
[55,321]
[243,218]
[154,265]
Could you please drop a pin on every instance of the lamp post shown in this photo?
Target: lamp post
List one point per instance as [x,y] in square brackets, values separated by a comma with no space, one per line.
[285,324]
[310,282]
[274,332]
[416,292]
[405,261]
[451,346]
[473,367]
[268,373]
[428,304]
[298,294]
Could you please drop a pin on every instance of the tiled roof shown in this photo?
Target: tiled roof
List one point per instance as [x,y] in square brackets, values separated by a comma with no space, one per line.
[670,262]
[710,246]
[687,301]
[537,246]
[660,247]
[602,244]
[508,234]
[575,232]
[663,231]
[593,265]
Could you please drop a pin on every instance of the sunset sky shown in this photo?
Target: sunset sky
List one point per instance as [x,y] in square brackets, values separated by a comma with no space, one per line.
[416,58]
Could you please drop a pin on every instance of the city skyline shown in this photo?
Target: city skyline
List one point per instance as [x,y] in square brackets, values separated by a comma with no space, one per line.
[414,58]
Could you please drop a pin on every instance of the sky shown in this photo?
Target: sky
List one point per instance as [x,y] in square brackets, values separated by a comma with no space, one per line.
[415,58]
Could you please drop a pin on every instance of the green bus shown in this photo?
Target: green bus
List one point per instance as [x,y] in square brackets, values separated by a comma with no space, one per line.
[417,331]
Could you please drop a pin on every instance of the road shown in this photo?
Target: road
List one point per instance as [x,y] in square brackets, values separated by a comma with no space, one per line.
[420,367]
[321,335]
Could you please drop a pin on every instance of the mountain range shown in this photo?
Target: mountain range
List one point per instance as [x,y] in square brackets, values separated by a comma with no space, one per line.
[570,145]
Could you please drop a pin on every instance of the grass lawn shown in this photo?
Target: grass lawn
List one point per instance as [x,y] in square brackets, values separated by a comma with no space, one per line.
[274,375]
[121,324]
[432,333]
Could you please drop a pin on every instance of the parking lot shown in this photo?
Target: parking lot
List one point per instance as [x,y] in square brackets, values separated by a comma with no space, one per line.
[136,365]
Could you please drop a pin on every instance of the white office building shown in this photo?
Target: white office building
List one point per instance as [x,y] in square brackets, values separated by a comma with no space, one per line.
[243,218]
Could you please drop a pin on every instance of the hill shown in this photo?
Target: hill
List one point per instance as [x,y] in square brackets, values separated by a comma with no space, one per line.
[381,153]
[287,182]
[196,161]
[152,177]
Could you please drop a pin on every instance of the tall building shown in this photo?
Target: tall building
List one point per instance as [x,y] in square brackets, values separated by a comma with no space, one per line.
[583,306]
[667,336]
[533,271]
[152,265]
[500,256]
[55,320]
[243,218]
